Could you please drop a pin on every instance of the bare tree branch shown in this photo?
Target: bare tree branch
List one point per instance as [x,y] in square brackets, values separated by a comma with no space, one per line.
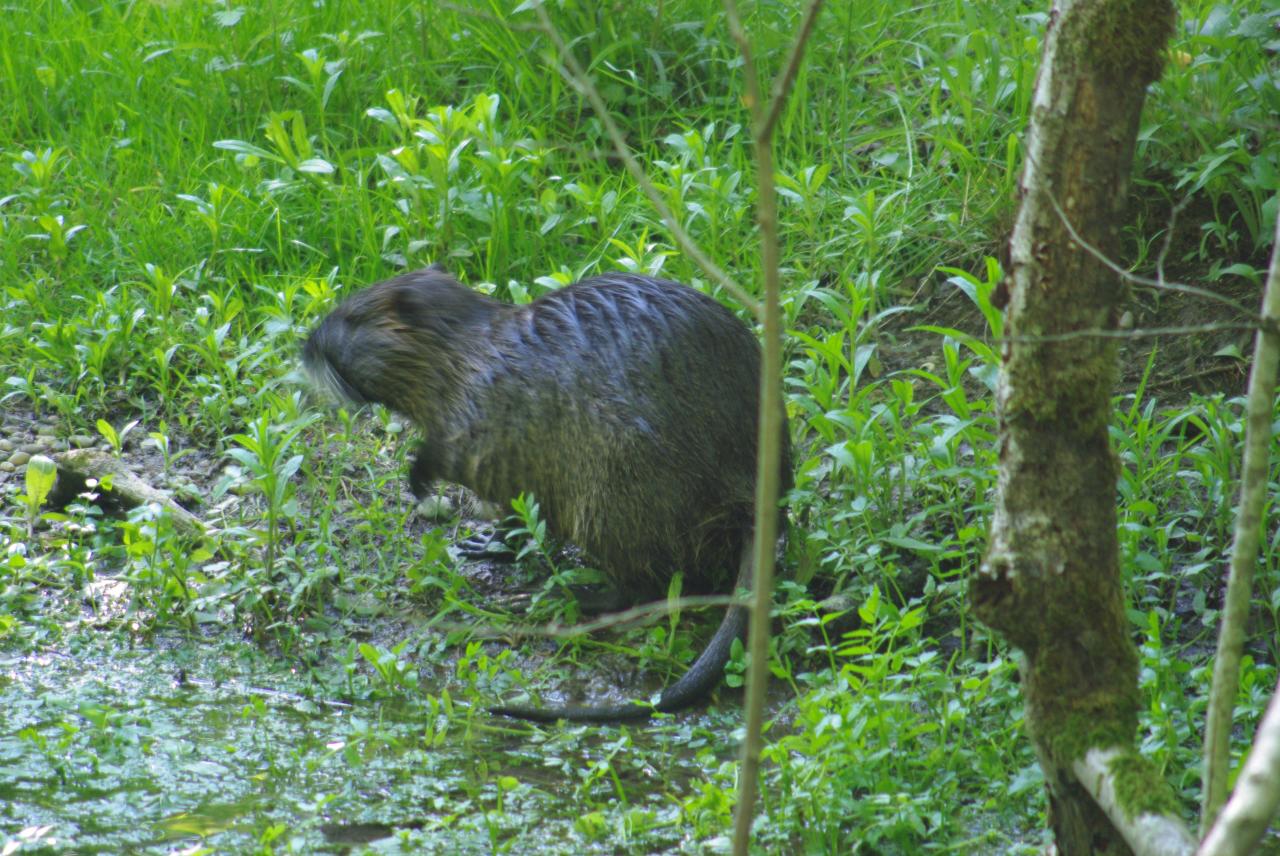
[1141,280]
[612,621]
[751,77]
[1254,804]
[769,442]
[1136,332]
[1244,550]
[1167,243]
[782,86]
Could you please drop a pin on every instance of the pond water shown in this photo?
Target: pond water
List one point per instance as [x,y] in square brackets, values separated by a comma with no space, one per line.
[203,746]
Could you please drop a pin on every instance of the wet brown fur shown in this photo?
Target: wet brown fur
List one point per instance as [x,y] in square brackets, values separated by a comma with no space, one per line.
[627,405]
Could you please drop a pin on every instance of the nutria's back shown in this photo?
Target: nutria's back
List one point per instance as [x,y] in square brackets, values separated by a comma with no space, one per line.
[626,404]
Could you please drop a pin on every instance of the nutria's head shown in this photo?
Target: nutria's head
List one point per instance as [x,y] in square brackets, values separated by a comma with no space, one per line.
[400,342]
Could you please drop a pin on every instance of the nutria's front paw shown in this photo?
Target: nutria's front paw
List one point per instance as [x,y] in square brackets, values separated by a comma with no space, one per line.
[422,471]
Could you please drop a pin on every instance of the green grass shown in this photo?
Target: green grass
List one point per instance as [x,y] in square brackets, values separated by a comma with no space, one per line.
[189,187]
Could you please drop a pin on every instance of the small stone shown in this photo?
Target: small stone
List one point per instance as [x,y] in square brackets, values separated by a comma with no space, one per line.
[6,467]
[81,441]
[46,431]
[19,458]
[7,445]
[395,427]
[34,448]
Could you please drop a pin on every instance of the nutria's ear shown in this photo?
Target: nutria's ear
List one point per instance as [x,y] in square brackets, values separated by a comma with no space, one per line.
[412,292]
[430,279]
[411,303]
[430,299]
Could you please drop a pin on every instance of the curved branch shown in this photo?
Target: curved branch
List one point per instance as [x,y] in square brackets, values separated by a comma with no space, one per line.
[1148,834]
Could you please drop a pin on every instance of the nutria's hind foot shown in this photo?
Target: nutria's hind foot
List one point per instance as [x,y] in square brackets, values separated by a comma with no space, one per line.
[489,546]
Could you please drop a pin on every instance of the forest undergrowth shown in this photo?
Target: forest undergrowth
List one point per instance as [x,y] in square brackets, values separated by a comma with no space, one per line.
[189,187]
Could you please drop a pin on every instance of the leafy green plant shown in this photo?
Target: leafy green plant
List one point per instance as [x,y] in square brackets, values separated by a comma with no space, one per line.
[160,564]
[115,437]
[268,470]
[532,529]
[396,673]
[41,474]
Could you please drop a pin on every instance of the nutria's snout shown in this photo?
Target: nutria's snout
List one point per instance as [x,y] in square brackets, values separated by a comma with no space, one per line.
[322,354]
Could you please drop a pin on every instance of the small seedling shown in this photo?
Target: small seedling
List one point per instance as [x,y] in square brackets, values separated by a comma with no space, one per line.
[114,437]
[160,439]
[396,672]
[42,474]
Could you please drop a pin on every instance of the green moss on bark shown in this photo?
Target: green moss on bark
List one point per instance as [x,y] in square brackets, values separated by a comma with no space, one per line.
[1140,787]
[1100,721]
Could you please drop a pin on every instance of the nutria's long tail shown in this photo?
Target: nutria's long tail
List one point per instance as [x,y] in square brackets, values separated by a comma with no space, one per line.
[696,684]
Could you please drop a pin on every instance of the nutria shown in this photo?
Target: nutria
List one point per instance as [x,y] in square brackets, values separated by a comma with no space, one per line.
[626,404]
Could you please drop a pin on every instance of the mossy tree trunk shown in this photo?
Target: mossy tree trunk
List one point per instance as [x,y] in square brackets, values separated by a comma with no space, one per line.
[1050,581]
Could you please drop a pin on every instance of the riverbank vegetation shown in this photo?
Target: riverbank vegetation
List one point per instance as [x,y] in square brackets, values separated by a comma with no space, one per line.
[189,187]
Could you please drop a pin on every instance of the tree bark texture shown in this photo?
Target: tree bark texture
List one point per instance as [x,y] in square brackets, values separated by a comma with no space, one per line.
[1050,581]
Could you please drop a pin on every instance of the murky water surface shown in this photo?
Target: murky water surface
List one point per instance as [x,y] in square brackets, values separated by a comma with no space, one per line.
[201,746]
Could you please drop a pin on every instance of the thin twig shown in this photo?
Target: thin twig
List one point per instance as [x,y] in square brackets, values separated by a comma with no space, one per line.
[782,86]
[611,621]
[1137,332]
[750,75]
[577,77]
[1141,280]
[1182,380]
[771,423]
[1167,243]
